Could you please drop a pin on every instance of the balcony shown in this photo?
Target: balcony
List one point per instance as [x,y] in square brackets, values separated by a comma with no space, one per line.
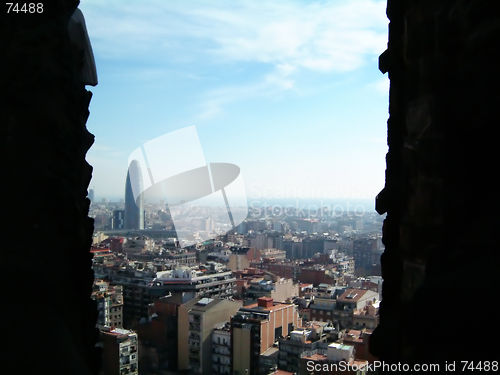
[224,343]
[222,361]
[221,351]
[194,344]
[194,355]
[124,361]
[194,364]
[194,327]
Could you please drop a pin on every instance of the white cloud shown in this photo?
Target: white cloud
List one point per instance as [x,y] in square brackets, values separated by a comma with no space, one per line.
[212,107]
[208,55]
[381,86]
[269,87]
[326,36]
[157,38]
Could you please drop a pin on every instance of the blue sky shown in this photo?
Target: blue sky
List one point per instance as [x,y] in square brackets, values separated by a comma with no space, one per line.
[289,91]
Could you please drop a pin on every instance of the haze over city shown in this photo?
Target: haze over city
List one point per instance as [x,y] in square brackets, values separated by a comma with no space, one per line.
[288,91]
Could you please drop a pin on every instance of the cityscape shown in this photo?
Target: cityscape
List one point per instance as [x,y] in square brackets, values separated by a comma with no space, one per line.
[269,265]
[245,268]
[280,293]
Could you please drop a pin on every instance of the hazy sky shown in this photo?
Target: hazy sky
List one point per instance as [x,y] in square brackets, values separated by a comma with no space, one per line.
[289,91]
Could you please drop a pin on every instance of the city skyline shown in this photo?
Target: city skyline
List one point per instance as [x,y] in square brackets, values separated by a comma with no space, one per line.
[274,88]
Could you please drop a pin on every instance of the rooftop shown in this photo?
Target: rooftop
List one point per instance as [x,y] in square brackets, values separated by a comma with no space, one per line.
[340,346]
[352,295]
[118,331]
[316,357]
[201,304]
[255,306]
[272,350]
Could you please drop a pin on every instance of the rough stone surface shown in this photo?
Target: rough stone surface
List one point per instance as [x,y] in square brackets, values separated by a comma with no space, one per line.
[46,277]
[440,262]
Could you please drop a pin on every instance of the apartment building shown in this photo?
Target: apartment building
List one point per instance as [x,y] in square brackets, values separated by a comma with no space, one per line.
[196,321]
[303,339]
[221,347]
[255,328]
[119,351]
[109,304]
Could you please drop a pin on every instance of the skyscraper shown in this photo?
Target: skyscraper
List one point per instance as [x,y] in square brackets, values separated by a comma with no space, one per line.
[134,208]
[118,219]
[91,195]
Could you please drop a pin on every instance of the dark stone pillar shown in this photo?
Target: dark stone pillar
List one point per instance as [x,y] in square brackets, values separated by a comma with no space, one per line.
[46,274]
[440,262]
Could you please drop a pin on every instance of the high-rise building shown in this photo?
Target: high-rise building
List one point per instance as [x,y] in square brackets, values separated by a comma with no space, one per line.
[119,351]
[134,208]
[158,335]
[118,219]
[366,251]
[255,328]
[91,195]
[196,321]
[109,304]
[221,344]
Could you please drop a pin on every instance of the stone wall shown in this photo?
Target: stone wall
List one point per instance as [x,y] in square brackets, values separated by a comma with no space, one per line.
[441,258]
[48,317]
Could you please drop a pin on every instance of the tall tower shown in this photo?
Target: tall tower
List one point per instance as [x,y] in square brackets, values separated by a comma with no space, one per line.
[134,208]
[91,195]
